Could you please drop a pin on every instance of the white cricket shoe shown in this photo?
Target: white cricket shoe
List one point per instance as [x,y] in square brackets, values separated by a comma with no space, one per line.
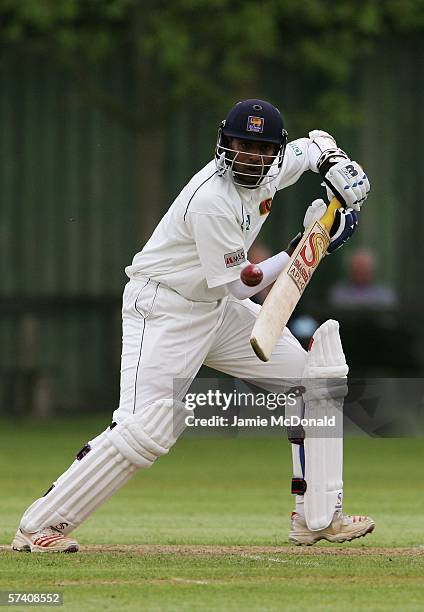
[343,528]
[48,539]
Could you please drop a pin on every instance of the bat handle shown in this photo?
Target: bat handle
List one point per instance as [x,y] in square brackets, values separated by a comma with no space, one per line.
[328,217]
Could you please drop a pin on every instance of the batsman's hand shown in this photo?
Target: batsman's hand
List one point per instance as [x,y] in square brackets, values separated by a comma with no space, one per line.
[345,223]
[343,178]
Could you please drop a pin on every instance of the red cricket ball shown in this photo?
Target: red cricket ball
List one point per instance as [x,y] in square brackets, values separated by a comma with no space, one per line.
[251,275]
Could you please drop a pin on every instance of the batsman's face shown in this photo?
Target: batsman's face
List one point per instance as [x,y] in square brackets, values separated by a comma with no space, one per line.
[252,159]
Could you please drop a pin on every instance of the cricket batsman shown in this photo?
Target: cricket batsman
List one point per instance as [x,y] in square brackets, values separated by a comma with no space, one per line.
[185,305]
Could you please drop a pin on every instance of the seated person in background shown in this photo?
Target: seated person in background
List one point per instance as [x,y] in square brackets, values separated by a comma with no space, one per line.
[387,343]
[361,290]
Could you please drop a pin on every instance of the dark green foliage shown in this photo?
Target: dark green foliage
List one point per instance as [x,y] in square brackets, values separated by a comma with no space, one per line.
[216,50]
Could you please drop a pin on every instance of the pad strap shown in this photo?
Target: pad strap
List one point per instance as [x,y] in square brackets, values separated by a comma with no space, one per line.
[298,486]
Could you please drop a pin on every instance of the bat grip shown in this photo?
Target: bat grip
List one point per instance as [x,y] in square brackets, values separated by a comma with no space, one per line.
[328,217]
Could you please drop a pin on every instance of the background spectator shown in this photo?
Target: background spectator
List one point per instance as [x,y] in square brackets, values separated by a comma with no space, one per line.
[361,289]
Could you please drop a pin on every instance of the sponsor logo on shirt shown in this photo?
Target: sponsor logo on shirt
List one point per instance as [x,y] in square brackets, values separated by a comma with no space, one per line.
[255,124]
[265,206]
[295,148]
[235,258]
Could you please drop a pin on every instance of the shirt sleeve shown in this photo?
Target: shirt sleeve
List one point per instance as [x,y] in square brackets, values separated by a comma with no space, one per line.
[296,162]
[220,246]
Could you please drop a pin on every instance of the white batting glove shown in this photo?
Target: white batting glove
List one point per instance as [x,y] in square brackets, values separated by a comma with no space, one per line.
[345,223]
[314,212]
[343,178]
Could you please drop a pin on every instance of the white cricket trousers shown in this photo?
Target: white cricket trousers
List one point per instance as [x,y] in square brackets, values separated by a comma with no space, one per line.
[167,337]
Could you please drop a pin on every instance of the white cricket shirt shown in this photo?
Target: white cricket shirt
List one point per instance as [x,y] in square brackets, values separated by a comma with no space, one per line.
[201,242]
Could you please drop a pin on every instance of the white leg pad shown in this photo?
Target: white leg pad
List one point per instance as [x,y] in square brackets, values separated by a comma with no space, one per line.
[324,456]
[114,456]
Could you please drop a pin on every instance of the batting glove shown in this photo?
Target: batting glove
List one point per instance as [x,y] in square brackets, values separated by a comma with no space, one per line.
[343,178]
[345,223]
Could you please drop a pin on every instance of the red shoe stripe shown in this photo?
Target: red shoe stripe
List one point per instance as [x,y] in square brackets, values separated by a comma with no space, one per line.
[43,543]
[46,537]
[47,540]
[47,543]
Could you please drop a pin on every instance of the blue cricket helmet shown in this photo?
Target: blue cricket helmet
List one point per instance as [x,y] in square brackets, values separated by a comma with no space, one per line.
[255,119]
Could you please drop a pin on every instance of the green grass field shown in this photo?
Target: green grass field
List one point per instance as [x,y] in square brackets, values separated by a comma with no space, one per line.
[206,528]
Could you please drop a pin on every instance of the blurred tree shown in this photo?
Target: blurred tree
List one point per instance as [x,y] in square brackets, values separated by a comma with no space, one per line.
[204,52]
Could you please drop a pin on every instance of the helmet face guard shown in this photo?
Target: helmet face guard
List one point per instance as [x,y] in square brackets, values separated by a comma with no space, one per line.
[255,121]
[250,175]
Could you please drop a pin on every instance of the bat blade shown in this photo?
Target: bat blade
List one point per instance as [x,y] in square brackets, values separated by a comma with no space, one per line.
[291,283]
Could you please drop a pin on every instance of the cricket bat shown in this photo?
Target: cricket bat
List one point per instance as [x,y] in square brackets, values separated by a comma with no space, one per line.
[291,283]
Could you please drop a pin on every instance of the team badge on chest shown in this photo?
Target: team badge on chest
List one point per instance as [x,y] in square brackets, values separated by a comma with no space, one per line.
[265,206]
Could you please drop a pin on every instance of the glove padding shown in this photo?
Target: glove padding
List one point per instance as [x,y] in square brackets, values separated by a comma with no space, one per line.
[345,223]
[343,178]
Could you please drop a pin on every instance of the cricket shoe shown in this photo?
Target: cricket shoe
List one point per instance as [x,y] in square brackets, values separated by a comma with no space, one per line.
[343,528]
[48,539]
